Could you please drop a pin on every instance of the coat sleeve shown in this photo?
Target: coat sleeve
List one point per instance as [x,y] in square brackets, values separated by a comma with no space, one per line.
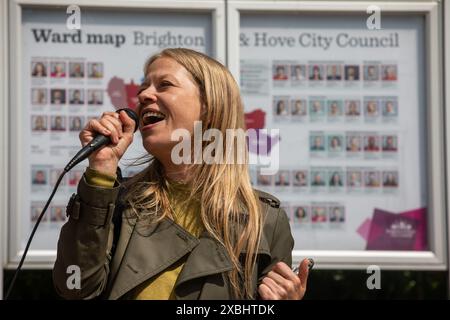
[281,242]
[85,243]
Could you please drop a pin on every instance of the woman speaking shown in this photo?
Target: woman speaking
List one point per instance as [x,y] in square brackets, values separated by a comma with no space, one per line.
[175,231]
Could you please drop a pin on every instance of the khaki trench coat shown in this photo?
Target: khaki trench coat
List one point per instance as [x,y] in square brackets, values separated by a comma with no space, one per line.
[116,253]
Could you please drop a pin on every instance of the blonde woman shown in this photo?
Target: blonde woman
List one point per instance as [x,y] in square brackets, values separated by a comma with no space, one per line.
[175,231]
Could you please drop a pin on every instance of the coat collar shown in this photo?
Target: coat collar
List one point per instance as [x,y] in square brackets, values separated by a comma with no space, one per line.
[146,250]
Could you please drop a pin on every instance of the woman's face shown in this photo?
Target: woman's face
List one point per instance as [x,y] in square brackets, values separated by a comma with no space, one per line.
[169,91]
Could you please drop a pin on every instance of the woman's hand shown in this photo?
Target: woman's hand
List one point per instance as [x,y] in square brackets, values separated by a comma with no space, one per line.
[120,128]
[281,283]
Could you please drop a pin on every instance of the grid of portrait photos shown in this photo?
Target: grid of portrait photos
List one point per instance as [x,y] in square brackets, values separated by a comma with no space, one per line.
[63,93]
[54,216]
[315,214]
[353,144]
[368,109]
[334,73]
[329,179]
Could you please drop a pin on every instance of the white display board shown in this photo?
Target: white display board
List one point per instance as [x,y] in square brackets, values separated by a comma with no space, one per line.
[358,175]
[67,77]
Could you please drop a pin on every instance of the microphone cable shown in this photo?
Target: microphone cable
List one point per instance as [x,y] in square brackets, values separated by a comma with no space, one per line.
[19,267]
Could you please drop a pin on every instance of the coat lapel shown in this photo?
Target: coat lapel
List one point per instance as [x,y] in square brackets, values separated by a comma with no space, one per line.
[208,258]
[151,249]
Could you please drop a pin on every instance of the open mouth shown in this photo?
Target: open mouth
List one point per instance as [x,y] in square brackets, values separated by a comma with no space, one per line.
[152,117]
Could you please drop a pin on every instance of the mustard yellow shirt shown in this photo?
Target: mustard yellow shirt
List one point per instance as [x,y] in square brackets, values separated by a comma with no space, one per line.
[186,214]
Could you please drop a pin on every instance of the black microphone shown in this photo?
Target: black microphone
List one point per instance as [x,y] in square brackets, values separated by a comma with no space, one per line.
[98,142]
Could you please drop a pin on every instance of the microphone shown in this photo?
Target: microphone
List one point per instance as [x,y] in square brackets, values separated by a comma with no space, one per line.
[99,141]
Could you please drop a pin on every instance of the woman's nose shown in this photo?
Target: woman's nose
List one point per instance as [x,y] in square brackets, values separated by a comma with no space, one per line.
[147,96]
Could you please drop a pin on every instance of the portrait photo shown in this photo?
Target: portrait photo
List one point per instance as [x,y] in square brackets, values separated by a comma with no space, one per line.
[351,72]
[76,70]
[298,72]
[39,176]
[76,96]
[334,72]
[371,73]
[58,96]
[280,72]
[39,69]
[58,69]
[316,72]
[95,70]
[58,123]
[39,96]
[39,123]
[301,214]
[95,97]
[300,178]
[372,179]
[389,72]
[319,214]
[281,106]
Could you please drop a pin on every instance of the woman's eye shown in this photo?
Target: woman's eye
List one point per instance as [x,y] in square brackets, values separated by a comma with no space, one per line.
[165,84]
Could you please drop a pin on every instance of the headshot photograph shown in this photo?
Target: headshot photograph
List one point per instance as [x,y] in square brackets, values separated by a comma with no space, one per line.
[318,179]
[316,72]
[95,70]
[336,214]
[316,108]
[36,211]
[390,108]
[351,72]
[354,179]
[298,107]
[319,214]
[317,142]
[95,97]
[335,178]
[334,72]
[76,96]
[76,123]
[335,108]
[39,123]
[352,108]
[39,176]
[371,108]
[58,123]
[281,107]
[57,214]
[372,143]
[300,178]
[76,69]
[390,179]
[389,72]
[372,179]
[74,177]
[301,214]
[353,143]
[389,143]
[280,72]
[54,175]
[39,96]
[282,178]
[58,96]
[371,73]
[58,69]
[298,72]
[335,143]
[39,69]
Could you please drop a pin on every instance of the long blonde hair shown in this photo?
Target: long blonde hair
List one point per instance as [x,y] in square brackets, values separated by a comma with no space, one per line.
[227,199]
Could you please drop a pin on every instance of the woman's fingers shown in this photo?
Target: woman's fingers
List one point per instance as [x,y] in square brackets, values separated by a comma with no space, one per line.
[91,129]
[279,291]
[265,292]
